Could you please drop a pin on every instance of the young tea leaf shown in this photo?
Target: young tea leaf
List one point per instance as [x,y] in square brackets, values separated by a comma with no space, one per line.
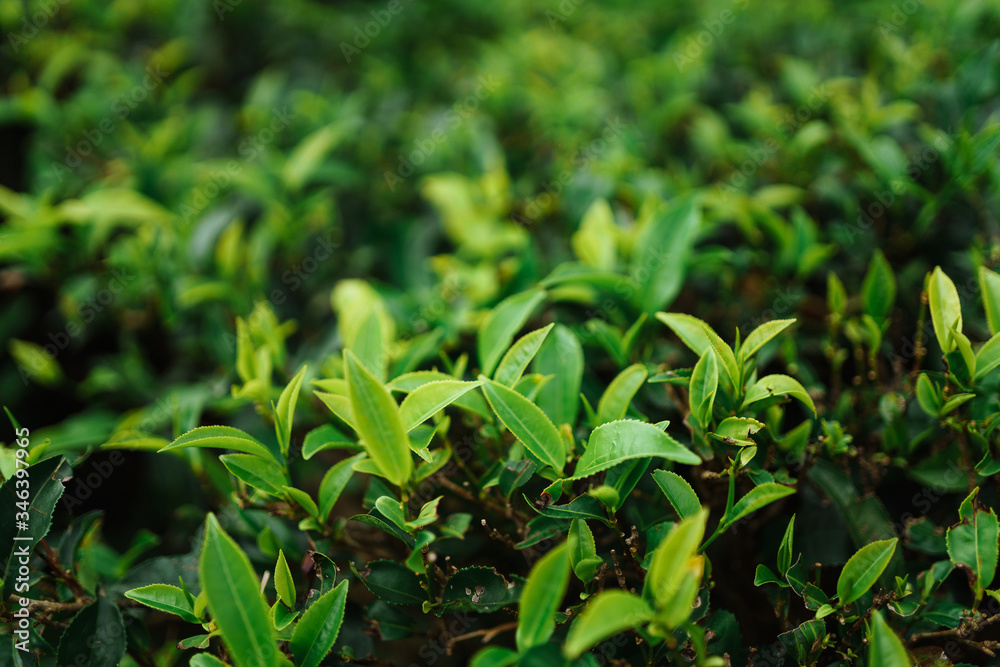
[615,401]
[233,593]
[317,630]
[284,412]
[561,356]
[619,441]
[377,420]
[165,598]
[885,648]
[527,422]
[519,356]
[542,596]
[427,400]
[945,307]
[680,494]
[499,328]
[606,614]
[863,569]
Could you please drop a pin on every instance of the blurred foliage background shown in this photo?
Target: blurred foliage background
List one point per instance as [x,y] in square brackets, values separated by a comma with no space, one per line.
[169,166]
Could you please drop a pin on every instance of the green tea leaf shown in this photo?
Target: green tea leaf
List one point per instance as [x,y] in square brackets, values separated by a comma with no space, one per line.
[478,589]
[317,630]
[165,598]
[233,592]
[615,401]
[618,441]
[326,437]
[260,473]
[561,356]
[392,582]
[760,337]
[666,572]
[95,637]
[302,499]
[595,241]
[542,596]
[755,499]
[698,336]
[884,647]
[47,479]
[989,288]
[338,405]
[663,252]
[606,614]
[737,431]
[519,356]
[863,569]
[283,582]
[973,543]
[334,482]
[494,656]
[928,396]
[427,400]
[583,558]
[988,356]
[879,288]
[785,548]
[377,420]
[775,385]
[945,307]
[497,331]
[680,494]
[527,422]
[222,437]
[284,412]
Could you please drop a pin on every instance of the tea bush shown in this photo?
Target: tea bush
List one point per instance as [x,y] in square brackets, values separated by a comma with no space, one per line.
[542,334]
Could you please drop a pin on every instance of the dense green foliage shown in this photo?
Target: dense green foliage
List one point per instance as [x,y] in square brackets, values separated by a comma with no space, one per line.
[540,334]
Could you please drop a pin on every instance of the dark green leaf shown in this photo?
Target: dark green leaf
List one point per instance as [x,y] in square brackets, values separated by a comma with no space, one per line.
[392,582]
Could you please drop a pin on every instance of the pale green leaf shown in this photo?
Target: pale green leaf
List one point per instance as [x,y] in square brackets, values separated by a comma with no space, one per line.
[618,441]
[680,494]
[527,422]
[945,307]
[541,597]
[497,331]
[233,593]
[377,421]
[776,385]
[606,614]
[615,401]
[519,355]
[429,399]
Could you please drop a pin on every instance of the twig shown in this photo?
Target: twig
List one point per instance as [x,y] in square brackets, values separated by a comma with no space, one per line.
[487,634]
